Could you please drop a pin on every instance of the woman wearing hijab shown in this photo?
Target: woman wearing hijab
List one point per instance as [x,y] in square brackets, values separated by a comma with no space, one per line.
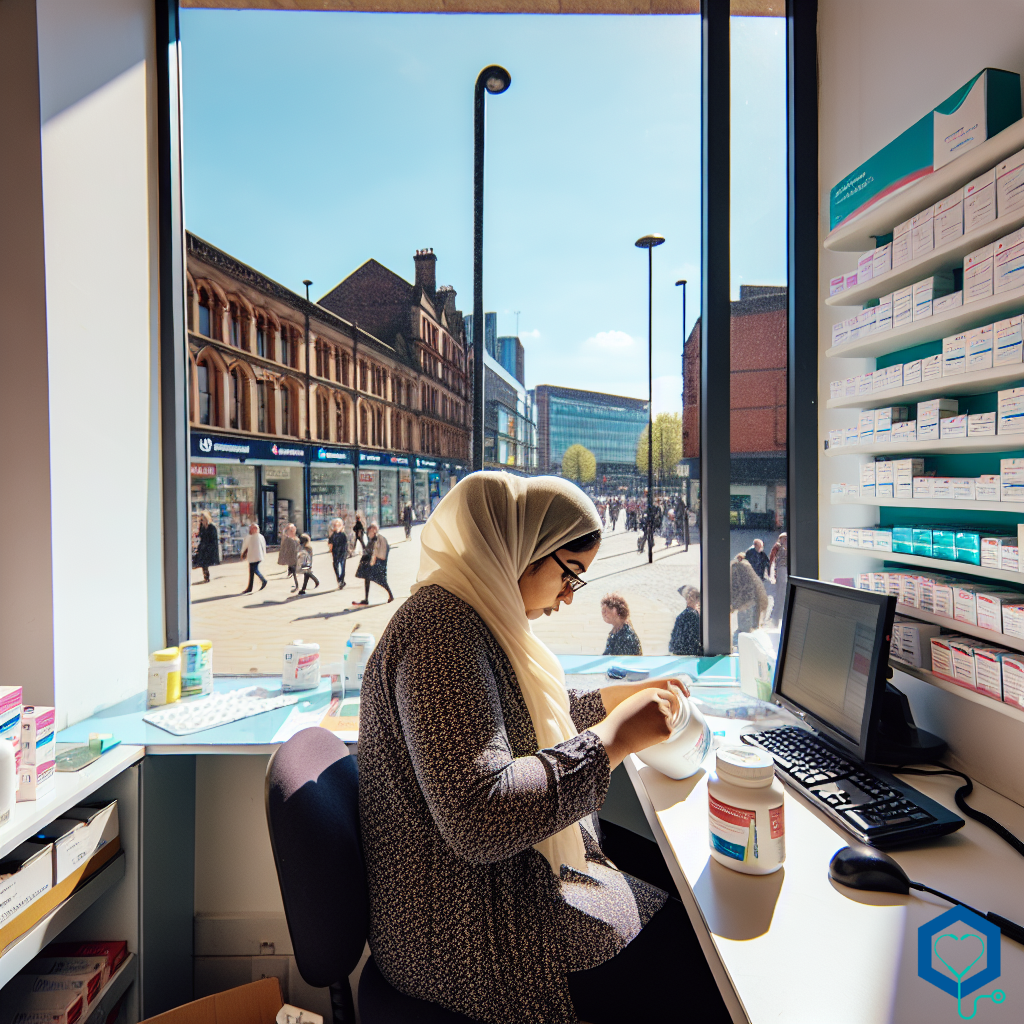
[480,777]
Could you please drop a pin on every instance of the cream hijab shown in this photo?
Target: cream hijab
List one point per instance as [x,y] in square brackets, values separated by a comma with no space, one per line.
[476,544]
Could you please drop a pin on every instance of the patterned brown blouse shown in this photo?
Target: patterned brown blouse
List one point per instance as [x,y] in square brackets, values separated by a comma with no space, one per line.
[453,794]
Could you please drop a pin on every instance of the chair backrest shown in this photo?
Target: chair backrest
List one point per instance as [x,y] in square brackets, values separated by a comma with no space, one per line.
[312,799]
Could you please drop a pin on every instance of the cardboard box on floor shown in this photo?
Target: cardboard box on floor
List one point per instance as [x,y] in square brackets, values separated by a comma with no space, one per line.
[257,1003]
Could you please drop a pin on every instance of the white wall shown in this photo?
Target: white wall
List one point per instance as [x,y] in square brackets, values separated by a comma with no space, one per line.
[883,64]
[97,102]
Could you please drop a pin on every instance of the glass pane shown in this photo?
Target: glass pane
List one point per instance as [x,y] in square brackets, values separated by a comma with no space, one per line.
[758,350]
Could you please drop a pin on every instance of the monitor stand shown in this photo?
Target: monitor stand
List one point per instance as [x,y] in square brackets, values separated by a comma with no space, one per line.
[895,738]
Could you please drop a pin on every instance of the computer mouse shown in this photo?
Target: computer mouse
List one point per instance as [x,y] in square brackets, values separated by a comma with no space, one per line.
[864,867]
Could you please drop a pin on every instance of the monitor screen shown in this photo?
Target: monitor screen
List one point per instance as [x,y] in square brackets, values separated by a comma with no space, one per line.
[828,661]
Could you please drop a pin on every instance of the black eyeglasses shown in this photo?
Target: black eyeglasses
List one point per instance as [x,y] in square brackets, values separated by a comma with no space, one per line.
[568,576]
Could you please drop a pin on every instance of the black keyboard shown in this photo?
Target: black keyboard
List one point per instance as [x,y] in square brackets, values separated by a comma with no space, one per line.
[869,802]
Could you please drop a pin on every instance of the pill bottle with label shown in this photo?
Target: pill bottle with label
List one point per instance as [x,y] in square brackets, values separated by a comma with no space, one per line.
[745,811]
[196,667]
[164,686]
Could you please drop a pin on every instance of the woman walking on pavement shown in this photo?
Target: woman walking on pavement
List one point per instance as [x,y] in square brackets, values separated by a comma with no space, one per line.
[407,519]
[208,550]
[254,550]
[338,543]
[288,552]
[359,529]
[304,563]
[373,566]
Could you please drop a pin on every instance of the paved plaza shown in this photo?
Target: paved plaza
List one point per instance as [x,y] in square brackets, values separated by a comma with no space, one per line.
[249,631]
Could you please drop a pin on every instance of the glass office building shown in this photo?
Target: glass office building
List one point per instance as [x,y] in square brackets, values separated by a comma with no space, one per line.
[608,425]
[510,421]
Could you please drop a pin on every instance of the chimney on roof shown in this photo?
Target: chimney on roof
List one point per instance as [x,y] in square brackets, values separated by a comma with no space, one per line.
[426,270]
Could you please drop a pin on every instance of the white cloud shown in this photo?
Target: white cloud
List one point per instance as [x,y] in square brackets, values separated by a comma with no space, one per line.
[529,334]
[610,341]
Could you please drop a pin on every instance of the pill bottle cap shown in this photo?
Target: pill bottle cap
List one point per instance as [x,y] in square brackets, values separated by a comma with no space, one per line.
[745,765]
[167,654]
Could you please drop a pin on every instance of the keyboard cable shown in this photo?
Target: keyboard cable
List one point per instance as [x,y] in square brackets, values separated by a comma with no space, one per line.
[960,796]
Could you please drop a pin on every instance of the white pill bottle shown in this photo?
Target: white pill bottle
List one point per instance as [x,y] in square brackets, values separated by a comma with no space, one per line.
[745,811]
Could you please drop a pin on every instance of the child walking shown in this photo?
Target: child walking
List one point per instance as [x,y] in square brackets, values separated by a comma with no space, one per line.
[304,562]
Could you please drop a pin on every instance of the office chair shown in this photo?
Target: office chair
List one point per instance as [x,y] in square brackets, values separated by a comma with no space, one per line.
[312,790]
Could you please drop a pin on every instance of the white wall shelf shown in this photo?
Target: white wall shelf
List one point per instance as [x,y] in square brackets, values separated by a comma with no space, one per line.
[993,637]
[937,564]
[28,946]
[933,328]
[945,257]
[977,382]
[951,446]
[69,788]
[960,691]
[859,234]
[1013,507]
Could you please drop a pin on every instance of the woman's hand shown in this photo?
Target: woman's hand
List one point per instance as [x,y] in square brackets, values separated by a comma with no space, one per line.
[637,722]
[613,696]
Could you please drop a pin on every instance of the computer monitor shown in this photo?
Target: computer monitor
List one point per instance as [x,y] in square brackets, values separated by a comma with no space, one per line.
[833,659]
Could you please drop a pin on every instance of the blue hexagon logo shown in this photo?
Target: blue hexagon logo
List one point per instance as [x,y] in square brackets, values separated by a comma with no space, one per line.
[958,952]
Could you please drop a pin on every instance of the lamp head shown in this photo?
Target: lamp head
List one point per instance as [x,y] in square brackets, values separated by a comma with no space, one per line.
[495,79]
[649,241]
[307,283]
[682,281]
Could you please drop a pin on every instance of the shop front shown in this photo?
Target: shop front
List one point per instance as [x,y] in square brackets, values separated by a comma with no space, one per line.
[331,488]
[227,490]
[432,480]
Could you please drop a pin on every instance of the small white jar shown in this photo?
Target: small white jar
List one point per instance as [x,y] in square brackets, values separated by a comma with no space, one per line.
[745,811]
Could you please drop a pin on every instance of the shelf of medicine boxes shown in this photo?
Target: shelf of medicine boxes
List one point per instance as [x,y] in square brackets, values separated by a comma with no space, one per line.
[932,328]
[858,235]
[949,446]
[941,565]
[106,999]
[876,501]
[995,638]
[28,946]
[976,382]
[961,691]
[944,257]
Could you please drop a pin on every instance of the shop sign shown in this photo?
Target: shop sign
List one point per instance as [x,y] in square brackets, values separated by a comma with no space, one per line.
[287,453]
[333,455]
[370,458]
[277,473]
[366,477]
[422,463]
[204,469]
[230,448]
[397,460]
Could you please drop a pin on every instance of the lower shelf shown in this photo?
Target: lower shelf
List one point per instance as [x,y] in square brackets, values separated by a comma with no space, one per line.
[960,691]
[1014,643]
[105,1002]
[938,564]
[28,946]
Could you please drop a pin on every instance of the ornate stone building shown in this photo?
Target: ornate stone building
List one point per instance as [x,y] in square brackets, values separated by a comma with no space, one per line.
[374,376]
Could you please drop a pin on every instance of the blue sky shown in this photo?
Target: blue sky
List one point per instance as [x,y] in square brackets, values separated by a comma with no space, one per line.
[315,141]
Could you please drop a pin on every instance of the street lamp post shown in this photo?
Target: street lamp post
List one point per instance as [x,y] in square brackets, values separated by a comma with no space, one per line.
[648,242]
[684,526]
[494,80]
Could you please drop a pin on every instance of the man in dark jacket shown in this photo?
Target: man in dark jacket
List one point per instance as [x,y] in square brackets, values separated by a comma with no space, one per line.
[757,558]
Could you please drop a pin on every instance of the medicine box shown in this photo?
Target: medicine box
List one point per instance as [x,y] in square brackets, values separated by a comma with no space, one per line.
[837,389]
[866,426]
[990,607]
[836,438]
[902,540]
[911,643]
[981,424]
[1008,348]
[864,382]
[986,487]
[836,285]
[949,219]
[867,479]
[904,471]
[864,266]
[881,260]
[903,432]
[962,652]
[963,488]
[922,538]
[953,426]
[29,868]
[1011,411]
[1008,265]
[883,314]
[1010,184]
[885,471]
[947,302]
[912,372]
[931,367]
[922,233]
[851,281]
[942,488]
[35,781]
[1013,620]
[903,306]
[965,605]
[1009,556]
[979,348]
[954,354]
[929,413]
[980,201]
[930,288]
[851,387]
[840,333]
[978,273]
[901,244]
[942,657]
[866,539]
[1011,479]
[944,544]
[851,436]
[968,546]
[880,582]
[1013,680]
[937,597]
[923,489]
[56,1001]
[988,672]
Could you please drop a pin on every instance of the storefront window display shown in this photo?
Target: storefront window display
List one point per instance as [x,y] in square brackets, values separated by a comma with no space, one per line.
[368,492]
[388,497]
[227,491]
[331,496]
[404,490]
[421,500]
[289,483]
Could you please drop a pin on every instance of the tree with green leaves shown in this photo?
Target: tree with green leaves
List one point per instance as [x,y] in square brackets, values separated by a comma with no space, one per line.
[579,464]
[668,446]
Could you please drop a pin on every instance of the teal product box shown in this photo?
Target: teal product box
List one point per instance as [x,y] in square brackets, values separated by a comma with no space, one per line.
[903,539]
[944,545]
[968,546]
[922,541]
[983,107]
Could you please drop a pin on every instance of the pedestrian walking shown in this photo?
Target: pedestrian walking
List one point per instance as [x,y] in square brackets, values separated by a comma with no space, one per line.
[288,552]
[337,541]
[622,639]
[254,550]
[756,556]
[779,560]
[749,598]
[686,638]
[373,565]
[208,549]
[359,529]
[407,519]
[304,563]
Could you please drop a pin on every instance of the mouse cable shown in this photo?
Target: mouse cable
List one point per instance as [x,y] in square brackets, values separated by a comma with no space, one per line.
[961,800]
[1009,928]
